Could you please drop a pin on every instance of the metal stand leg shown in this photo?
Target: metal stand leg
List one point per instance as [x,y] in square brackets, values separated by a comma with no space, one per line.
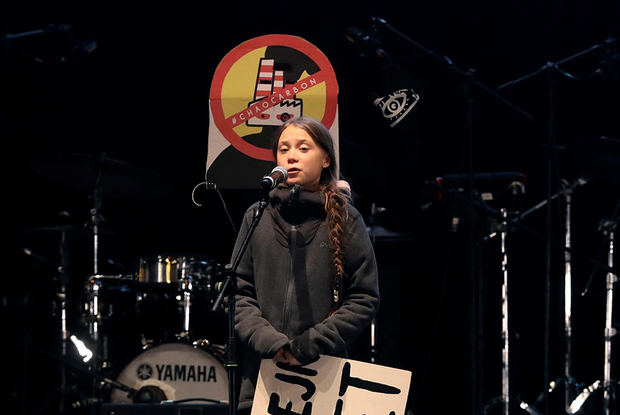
[186,289]
[373,341]
[505,331]
[608,228]
[94,330]
[567,302]
[64,334]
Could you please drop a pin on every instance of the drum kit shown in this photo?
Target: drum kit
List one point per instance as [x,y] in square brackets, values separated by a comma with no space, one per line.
[151,329]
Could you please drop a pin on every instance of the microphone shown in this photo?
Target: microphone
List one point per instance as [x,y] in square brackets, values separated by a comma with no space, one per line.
[278,175]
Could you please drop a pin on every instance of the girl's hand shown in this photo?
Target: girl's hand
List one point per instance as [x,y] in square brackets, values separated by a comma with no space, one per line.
[285,356]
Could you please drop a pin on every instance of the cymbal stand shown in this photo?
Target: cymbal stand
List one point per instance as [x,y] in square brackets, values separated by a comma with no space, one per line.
[467,77]
[549,70]
[94,328]
[608,228]
[95,218]
[567,298]
[505,330]
[62,300]
[186,287]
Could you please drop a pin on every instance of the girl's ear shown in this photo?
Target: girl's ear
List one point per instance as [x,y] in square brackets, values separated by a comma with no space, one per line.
[327,161]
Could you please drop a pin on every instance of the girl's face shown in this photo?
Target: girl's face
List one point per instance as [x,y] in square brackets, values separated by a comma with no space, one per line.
[300,155]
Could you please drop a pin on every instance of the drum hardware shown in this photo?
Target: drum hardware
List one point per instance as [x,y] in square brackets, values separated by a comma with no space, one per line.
[168,269]
[63,279]
[503,401]
[504,188]
[62,299]
[550,72]
[99,177]
[96,220]
[608,228]
[186,291]
[505,331]
[65,362]
[93,319]
[126,316]
[579,404]
[567,384]
[192,279]
[66,233]
[572,388]
[469,83]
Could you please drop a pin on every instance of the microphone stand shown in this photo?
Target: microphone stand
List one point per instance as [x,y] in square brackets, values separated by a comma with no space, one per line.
[608,228]
[475,310]
[230,288]
[549,69]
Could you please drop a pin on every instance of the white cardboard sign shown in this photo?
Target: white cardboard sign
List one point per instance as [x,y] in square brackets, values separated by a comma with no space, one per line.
[330,385]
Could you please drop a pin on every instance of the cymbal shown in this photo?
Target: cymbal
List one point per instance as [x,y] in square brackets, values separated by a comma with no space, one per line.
[382,234]
[72,232]
[595,158]
[116,179]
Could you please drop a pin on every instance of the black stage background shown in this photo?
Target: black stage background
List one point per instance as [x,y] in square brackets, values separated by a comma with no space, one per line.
[141,97]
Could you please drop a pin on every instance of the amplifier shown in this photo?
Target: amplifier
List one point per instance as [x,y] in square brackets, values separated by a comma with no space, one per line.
[163,409]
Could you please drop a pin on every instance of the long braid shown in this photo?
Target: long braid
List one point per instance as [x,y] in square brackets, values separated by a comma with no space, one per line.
[337,192]
[337,215]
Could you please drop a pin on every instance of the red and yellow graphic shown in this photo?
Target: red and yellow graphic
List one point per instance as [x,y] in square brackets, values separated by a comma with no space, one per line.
[256,87]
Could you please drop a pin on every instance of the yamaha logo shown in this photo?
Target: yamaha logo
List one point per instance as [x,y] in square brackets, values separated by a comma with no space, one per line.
[145,371]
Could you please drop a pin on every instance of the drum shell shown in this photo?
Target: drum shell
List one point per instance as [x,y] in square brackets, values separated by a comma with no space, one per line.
[111,315]
[108,297]
[124,315]
[180,370]
[168,269]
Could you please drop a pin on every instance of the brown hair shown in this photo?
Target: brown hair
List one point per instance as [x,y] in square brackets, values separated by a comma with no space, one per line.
[337,192]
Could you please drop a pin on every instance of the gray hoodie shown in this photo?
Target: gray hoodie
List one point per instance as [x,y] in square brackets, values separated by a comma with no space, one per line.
[286,282]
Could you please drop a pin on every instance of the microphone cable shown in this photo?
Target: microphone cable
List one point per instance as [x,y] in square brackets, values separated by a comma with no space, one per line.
[212,186]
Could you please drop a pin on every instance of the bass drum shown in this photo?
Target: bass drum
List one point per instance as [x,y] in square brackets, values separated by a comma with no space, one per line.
[179,371]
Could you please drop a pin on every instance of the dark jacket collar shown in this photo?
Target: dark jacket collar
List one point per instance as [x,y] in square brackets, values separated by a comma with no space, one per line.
[297,214]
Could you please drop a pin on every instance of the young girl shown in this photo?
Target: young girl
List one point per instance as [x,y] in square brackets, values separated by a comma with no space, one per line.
[307,283]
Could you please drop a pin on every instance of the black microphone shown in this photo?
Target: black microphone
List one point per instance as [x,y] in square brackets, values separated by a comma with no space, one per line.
[278,175]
